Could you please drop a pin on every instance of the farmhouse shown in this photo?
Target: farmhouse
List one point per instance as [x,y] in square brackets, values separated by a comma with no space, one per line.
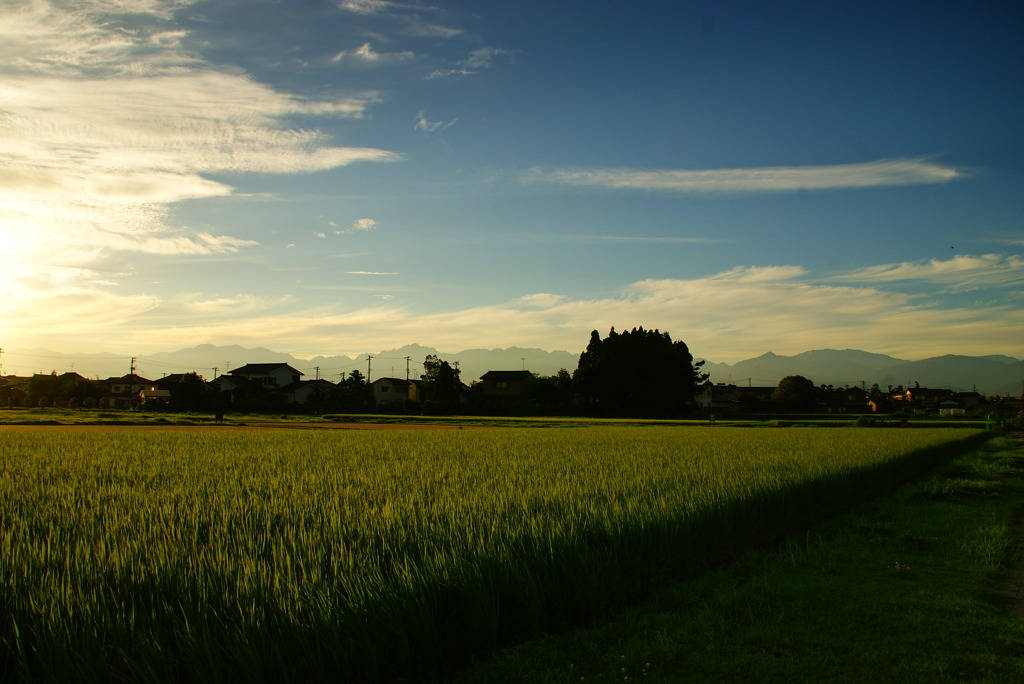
[394,390]
[269,375]
[307,391]
[123,392]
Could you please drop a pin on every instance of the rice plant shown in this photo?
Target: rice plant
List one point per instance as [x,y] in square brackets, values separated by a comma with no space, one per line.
[167,555]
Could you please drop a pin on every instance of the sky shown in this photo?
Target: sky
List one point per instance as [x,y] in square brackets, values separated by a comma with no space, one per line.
[348,176]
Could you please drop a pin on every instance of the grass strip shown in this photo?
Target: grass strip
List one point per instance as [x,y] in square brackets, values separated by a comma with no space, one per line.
[915,586]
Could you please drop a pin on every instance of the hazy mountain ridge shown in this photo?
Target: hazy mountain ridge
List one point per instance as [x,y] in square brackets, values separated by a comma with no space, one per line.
[987,374]
[994,374]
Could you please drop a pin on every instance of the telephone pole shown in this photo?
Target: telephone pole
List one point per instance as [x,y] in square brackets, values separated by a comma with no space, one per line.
[369,357]
[406,368]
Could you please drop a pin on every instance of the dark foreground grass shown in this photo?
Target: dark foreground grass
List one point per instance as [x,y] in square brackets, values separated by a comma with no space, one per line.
[916,586]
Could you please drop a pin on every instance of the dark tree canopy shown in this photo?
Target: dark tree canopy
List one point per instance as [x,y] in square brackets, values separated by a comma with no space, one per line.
[795,393]
[637,373]
[441,384]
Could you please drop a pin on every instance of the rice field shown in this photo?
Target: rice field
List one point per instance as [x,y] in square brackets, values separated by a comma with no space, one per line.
[287,555]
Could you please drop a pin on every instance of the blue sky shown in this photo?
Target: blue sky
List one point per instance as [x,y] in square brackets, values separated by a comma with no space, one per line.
[346,176]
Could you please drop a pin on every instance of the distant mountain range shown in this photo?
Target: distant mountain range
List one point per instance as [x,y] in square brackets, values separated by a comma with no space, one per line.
[988,375]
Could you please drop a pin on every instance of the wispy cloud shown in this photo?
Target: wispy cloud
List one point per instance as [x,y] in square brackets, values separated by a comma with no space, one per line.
[960,272]
[422,124]
[377,6]
[663,239]
[478,60]
[882,173]
[409,14]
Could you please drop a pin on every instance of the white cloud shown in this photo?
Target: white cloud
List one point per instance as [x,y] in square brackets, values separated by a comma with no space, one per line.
[724,317]
[422,124]
[364,224]
[365,54]
[109,119]
[882,173]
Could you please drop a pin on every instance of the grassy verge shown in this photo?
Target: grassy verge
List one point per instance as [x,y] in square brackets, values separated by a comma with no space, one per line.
[915,586]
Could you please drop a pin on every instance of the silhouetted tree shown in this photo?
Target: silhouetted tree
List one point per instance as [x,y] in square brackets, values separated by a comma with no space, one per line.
[550,395]
[441,385]
[795,393]
[352,394]
[637,373]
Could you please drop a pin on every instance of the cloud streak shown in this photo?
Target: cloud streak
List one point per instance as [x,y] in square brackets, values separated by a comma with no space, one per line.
[882,173]
[961,272]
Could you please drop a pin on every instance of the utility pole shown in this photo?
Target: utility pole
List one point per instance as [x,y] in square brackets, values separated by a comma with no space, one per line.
[523,358]
[318,372]
[132,367]
[215,369]
[407,369]
[369,357]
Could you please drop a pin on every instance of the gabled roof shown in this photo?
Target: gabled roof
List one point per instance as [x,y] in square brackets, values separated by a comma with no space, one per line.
[262,369]
[131,378]
[173,377]
[322,385]
[398,382]
[233,382]
[507,375]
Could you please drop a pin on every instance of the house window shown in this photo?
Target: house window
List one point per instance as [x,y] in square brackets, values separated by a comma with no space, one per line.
[502,385]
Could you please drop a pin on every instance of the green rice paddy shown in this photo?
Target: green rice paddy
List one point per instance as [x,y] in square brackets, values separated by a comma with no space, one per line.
[286,555]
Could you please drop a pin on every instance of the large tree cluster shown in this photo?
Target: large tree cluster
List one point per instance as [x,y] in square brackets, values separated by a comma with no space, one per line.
[637,373]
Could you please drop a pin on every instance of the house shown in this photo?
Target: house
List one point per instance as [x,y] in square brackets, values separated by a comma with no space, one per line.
[306,391]
[394,390]
[922,398]
[717,397]
[505,383]
[14,390]
[845,400]
[123,392]
[727,397]
[233,389]
[154,398]
[270,375]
